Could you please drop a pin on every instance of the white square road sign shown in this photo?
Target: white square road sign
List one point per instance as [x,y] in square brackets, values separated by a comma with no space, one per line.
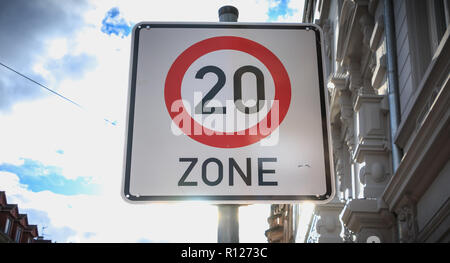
[227,112]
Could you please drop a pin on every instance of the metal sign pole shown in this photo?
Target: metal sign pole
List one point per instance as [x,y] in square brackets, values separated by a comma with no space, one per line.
[228,229]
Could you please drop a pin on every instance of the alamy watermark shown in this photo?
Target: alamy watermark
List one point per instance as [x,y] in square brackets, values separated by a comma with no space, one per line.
[235,118]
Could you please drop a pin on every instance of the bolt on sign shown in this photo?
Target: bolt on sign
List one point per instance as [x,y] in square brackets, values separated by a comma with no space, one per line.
[227,113]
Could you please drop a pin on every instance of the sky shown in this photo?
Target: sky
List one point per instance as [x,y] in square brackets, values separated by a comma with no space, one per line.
[61,159]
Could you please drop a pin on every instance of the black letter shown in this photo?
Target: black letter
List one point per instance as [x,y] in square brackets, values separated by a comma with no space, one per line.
[182,181]
[219,178]
[247,179]
[261,171]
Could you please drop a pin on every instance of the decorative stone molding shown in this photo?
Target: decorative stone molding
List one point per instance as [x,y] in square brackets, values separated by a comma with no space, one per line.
[336,86]
[374,173]
[345,27]
[347,235]
[378,172]
[341,157]
[350,34]
[347,120]
[406,217]
[355,81]
[313,236]
[372,148]
[328,37]
[379,71]
[281,225]
[359,133]
[327,224]
[367,25]
[340,173]
[368,61]
[341,108]
[275,233]
[324,9]
[370,117]
[377,34]
[368,217]
[378,51]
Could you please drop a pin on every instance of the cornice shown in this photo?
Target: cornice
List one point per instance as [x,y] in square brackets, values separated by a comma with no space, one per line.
[350,35]
[366,98]
[338,82]
[439,65]
[427,155]
[366,213]
[370,146]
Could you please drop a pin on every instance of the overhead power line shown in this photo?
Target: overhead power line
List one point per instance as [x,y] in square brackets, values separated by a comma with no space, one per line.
[52,91]
[41,85]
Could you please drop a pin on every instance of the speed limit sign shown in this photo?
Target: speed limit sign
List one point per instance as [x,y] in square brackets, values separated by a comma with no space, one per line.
[227,112]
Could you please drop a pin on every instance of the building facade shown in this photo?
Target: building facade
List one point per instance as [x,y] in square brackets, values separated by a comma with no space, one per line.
[387,74]
[14,227]
[283,222]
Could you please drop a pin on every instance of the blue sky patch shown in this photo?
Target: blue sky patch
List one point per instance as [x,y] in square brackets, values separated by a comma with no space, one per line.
[39,177]
[281,9]
[115,24]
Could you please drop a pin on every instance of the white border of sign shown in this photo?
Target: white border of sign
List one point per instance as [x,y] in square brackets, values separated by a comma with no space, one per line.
[330,181]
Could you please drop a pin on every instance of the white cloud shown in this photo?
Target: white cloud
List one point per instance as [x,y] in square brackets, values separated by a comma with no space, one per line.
[35,130]
[10,183]
[27,28]
[57,48]
[110,219]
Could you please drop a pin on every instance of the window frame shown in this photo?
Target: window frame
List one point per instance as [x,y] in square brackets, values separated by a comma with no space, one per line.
[423,37]
[8,225]
[437,33]
[18,234]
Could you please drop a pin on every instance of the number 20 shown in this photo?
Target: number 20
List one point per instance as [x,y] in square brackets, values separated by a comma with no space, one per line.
[201,108]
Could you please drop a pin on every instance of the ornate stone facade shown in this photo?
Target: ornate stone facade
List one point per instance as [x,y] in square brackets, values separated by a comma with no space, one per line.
[373,202]
[281,224]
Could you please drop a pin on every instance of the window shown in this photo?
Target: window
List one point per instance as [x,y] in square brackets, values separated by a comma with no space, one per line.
[427,24]
[18,234]
[438,19]
[7,226]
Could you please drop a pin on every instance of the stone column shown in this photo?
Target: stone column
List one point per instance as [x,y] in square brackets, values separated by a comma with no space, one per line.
[366,215]
[329,226]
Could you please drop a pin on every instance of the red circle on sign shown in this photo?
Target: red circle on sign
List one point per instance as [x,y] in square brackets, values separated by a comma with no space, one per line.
[172,90]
